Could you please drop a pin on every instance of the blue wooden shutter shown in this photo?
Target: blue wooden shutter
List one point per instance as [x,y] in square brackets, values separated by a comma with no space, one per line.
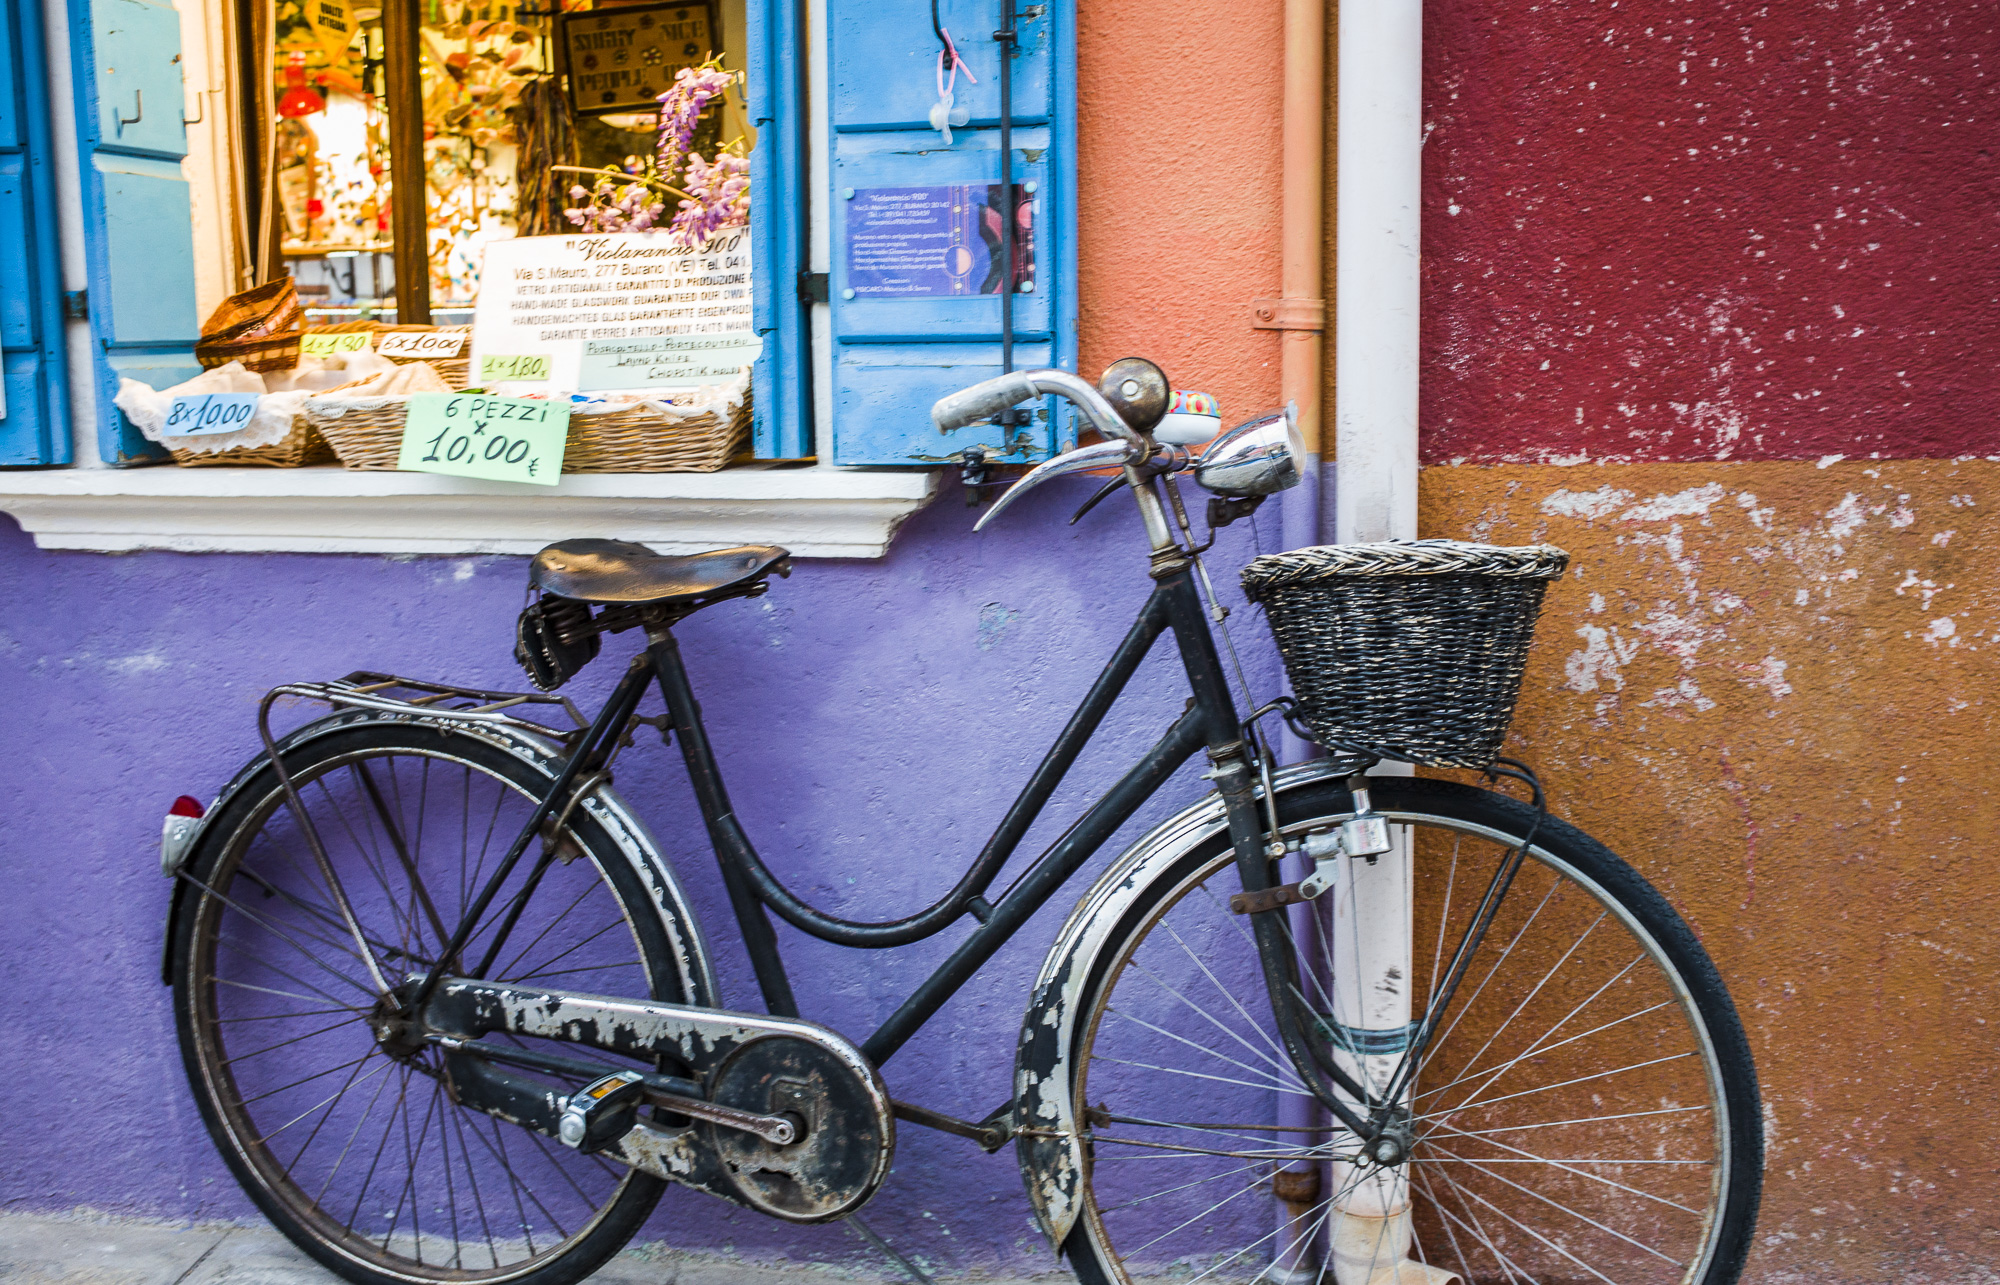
[781,393]
[894,356]
[138,226]
[34,421]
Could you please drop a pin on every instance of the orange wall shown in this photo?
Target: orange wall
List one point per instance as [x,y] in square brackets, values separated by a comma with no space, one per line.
[1178,129]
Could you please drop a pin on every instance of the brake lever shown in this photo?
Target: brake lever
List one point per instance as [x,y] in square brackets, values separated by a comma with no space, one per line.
[1092,502]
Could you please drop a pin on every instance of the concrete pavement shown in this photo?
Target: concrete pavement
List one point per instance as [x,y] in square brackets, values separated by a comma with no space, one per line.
[40,1250]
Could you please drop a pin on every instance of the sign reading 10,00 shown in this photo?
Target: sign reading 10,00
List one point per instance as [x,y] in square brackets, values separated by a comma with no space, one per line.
[501,439]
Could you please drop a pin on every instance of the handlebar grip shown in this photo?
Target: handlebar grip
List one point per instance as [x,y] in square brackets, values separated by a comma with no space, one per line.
[983,400]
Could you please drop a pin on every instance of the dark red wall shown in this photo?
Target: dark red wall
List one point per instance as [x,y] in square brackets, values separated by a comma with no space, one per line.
[1709,229]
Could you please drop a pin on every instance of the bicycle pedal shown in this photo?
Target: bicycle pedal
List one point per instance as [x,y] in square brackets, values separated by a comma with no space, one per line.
[601,1112]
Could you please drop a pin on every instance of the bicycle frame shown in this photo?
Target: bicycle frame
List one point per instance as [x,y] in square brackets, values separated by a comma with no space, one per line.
[1210,721]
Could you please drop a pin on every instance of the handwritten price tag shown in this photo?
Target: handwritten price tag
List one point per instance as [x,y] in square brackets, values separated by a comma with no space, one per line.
[204,413]
[497,368]
[500,439]
[331,345]
[421,344]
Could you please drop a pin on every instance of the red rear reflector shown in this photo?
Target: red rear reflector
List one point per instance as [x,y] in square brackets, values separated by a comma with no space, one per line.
[185,806]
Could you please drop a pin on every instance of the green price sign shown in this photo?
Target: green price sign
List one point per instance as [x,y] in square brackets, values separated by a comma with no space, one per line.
[498,367]
[329,345]
[501,439]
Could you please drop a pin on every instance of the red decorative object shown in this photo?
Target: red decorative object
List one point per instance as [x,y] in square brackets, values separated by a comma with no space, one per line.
[300,99]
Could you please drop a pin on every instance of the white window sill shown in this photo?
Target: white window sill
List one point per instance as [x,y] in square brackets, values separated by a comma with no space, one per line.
[816,512]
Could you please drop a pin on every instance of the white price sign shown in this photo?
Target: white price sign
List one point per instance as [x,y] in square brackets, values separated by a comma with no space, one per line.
[433,345]
[555,294]
[204,413]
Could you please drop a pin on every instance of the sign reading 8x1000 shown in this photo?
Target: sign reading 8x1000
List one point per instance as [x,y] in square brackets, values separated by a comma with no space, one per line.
[500,439]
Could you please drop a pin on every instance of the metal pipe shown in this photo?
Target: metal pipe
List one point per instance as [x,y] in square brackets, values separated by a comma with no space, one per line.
[1376,298]
[1303,224]
[1379,144]
[1006,37]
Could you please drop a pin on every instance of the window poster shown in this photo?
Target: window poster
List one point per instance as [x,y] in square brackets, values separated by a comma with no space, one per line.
[623,59]
[629,310]
[934,242]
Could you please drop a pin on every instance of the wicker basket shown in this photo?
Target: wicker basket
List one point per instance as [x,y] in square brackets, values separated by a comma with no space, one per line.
[297,449]
[369,436]
[259,328]
[456,371]
[1408,650]
[643,441]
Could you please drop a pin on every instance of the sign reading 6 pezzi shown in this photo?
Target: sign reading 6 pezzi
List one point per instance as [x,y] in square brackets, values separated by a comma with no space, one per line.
[500,439]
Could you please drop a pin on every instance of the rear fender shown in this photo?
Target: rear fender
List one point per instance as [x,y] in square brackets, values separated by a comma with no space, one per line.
[1047,1142]
[633,841]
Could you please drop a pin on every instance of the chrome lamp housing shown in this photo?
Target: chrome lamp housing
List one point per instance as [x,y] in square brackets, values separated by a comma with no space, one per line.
[1260,456]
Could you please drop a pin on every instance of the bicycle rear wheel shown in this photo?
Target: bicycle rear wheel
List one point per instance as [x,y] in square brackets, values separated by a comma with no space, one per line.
[1587,1112]
[358,1152]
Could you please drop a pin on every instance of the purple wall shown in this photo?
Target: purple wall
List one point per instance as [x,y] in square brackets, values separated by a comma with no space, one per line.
[874,719]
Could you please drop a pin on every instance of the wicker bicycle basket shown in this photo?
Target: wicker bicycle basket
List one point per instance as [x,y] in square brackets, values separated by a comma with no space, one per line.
[1408,650]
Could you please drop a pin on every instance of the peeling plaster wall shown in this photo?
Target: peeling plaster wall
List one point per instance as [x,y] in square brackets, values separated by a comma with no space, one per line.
[1769,687]
[1710,301]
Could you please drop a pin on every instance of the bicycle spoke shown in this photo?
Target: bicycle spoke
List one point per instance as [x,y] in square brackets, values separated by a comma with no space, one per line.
[1195,1075]
[1588,1119]
[1532,1232]
[1291,1085]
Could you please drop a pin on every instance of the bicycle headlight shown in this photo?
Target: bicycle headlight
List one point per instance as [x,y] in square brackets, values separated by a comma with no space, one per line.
[1258,457]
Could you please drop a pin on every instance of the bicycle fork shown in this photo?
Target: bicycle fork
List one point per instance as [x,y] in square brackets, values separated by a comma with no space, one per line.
[1336,953]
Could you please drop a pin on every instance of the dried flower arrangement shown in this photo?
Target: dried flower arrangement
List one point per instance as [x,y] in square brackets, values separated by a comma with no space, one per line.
[714,195]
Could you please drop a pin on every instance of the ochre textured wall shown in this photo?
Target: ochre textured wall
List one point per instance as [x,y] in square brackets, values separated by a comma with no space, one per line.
[1767,686]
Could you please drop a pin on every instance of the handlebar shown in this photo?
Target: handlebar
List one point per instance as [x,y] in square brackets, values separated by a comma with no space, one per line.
[991,396]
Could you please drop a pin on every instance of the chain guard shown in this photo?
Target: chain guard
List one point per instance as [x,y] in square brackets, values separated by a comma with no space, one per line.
[848,1133]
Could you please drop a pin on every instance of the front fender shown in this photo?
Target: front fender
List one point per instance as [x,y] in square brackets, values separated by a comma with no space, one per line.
[1047,1142]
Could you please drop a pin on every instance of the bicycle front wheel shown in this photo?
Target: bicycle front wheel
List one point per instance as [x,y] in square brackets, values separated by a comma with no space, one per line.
[353,1146]
[1587,1111]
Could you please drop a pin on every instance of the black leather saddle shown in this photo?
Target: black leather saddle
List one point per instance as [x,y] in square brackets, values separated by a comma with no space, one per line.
[620,571]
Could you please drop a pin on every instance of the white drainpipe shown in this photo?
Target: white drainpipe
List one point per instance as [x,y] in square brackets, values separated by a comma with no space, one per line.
[1379,155]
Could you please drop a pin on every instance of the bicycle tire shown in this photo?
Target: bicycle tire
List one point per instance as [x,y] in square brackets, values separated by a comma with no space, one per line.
[249,853]
[1469,1214]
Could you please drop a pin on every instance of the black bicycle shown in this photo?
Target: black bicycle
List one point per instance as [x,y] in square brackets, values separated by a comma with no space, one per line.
[449,1016]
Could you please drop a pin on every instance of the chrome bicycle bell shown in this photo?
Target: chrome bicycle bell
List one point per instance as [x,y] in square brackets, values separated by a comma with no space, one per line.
[1258,457]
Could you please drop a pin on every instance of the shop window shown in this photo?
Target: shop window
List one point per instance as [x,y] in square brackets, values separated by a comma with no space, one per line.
[877,217]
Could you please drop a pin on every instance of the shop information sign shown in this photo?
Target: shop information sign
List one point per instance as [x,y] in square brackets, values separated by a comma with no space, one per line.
[666,361]
[930,242]
[196,414]
[432,345]
[550,297]
[329,345]
[500,439]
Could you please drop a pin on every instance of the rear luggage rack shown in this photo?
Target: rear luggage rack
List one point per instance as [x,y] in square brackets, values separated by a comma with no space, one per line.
[390,694]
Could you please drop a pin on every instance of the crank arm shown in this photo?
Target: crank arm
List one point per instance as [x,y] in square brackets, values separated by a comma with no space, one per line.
[677,1155]
[777,1130]
[669,1092]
